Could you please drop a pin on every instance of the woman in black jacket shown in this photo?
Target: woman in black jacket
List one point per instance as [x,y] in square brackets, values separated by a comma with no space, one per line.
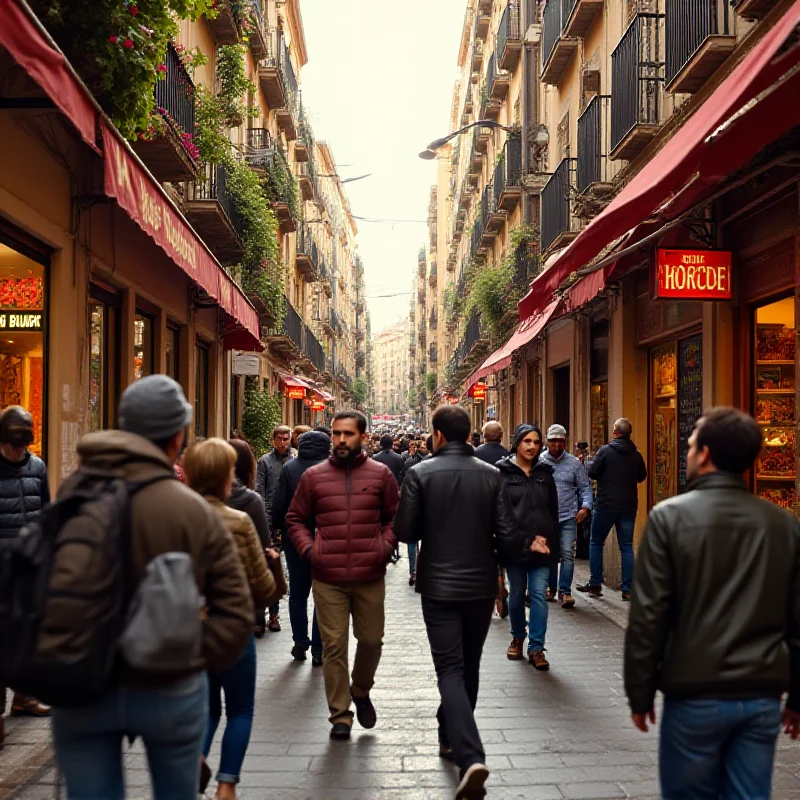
[535,500]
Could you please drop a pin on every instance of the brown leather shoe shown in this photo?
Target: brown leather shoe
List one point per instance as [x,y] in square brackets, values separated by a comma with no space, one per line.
[274,623]
[567,601]
[514,651]
[537,660]
[24,706]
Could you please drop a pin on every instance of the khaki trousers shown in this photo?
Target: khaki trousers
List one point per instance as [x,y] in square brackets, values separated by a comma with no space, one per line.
[335,602]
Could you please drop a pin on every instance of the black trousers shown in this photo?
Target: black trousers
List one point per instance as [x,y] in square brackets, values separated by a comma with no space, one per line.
[457,632]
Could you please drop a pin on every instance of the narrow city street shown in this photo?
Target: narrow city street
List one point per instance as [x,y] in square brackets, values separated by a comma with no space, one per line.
[562,734]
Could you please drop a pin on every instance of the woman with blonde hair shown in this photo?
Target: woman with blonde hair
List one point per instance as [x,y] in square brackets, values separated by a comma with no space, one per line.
[209,468]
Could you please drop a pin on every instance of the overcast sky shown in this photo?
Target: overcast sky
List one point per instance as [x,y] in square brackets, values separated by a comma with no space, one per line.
[378,86]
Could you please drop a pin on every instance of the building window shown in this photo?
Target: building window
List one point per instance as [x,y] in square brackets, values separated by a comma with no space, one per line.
[599,386]
[173,352]
[142,346]
[23,323]
[103,362]
[201,388]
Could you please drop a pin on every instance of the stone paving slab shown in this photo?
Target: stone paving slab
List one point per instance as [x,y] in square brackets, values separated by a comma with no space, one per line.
[562,735]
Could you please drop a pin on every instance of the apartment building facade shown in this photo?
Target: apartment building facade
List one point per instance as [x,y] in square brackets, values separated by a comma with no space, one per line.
[655,148]
[188,244]
[391,358]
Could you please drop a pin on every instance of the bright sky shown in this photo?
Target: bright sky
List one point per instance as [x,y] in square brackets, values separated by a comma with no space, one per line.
[378,86]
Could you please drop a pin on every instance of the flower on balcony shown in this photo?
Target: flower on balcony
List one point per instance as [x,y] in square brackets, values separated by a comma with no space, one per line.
[162,68]
[112,39]
[128,43]
[133,10]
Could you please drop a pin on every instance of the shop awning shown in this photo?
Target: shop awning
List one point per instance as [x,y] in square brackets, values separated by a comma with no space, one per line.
[145,202]
[293,382]
[718,139]
[526,332]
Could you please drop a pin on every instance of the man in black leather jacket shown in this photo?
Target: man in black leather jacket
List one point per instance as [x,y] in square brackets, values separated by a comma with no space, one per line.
[715,621]
[458,507]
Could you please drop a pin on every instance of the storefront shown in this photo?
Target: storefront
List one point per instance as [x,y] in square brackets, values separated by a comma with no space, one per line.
[598,392]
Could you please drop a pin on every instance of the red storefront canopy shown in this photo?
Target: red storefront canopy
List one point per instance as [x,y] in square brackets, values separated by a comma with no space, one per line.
[719,138]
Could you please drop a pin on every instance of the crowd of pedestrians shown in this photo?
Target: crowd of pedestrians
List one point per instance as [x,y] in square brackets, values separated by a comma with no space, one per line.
[714,618]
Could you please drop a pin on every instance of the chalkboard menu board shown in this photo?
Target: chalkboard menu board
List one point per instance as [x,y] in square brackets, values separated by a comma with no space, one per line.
[690,397]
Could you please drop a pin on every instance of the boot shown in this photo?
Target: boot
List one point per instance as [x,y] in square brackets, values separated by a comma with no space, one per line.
[24,706]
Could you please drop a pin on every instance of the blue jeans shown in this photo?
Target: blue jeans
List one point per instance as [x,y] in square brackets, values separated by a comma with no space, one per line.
[602,523]
[88,740]
[535,580]
[239,684]
[568,533]
[412,557]
[718,748]
[299,590]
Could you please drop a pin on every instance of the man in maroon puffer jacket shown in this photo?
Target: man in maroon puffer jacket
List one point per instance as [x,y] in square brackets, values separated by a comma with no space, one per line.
[351,500]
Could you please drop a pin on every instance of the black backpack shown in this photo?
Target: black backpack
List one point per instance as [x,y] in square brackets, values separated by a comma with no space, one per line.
[65,585]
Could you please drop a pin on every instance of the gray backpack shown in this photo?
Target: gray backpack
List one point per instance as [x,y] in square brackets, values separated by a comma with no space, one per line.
[163,633]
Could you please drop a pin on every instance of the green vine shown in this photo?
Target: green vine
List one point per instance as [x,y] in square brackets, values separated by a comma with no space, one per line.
[430,382]
[234,85]
[262,413]
[281,186]
[359,391]
[209,129]
[118,47]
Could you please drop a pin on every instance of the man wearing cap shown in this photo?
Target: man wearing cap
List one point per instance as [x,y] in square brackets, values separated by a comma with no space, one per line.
[168,713]
[23,494]
[574,505]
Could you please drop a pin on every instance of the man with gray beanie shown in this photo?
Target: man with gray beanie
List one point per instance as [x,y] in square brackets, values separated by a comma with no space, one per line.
[168,713]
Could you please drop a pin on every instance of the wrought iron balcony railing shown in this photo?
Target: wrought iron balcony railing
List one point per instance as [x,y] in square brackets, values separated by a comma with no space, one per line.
[593,126]
[175,94]
[509,37]
[557,217]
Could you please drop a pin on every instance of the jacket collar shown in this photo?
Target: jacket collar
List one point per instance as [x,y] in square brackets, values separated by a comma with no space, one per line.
[354,463]
[508,464]
[456,449]
[717,480]
[281,458]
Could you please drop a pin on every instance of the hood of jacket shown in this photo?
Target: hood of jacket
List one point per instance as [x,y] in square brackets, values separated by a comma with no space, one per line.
[623,446]
[238,491]
[127,454]
[11,469]
[314,446]
[507,465]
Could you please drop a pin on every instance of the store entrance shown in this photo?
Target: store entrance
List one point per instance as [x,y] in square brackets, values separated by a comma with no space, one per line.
[561,397]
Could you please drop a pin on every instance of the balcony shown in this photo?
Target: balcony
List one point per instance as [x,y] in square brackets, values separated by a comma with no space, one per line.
[482,138]
[253,27]
[579,16]
[493,217]
[433,320]
[325,278]
[509,37]
[477,56]
[260,150]
[753,9]
[313,350]
[472,348]
[224,26]
[286,340]
[279,85]
[167,153]
[594,171]
[497,82]
[699,38]
[637,78]
[269,79]
[483,22]
[433,357]
[282,192]
[307,256]
[527,263]
[209,209]
[307,180]
[508,176]
[432,277]
[557,48]
[559,225]
[476,237]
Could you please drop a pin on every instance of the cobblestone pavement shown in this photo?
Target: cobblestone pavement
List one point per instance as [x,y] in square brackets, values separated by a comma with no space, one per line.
[562,734]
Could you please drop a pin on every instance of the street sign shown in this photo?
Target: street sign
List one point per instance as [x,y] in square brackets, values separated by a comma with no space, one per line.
[246,364]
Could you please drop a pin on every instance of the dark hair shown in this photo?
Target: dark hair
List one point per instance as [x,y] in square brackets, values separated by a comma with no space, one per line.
[386,442]
[452,422]
[281,429]
[360,419]
[245,467]
[733,438]
[429,444]
[323,429]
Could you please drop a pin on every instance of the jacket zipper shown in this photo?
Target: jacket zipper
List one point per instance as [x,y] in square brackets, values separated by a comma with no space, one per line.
[349,542]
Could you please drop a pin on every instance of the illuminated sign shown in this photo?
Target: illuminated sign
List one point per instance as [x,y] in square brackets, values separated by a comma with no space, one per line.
[478,392]
[295,392]
[317,405]
[15,320]
[693,274]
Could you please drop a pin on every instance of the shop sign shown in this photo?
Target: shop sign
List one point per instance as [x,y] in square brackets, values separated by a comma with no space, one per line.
[317,405]
[15,320]
[693,274]
[308,402]
[246,364]
[295,392]
[478,392]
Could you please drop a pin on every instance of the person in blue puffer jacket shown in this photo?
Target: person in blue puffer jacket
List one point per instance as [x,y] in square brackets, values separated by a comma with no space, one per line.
[23,494]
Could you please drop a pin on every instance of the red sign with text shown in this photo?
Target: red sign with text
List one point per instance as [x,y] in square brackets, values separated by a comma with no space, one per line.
[693,274]
[295,393]
[478,391]
[317,405]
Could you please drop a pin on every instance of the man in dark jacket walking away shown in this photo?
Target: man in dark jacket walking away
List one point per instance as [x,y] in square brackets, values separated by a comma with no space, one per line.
[617,467]
[392,459]
[492,450]
[351,500]
[460,510]
[23,493]
[313,448]
[715,621]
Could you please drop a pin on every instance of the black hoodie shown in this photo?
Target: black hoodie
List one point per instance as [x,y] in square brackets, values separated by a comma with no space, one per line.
[314,447]
[252,503]
[618,467]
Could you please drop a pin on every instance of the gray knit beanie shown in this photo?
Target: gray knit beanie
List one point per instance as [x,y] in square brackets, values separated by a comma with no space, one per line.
[155,408]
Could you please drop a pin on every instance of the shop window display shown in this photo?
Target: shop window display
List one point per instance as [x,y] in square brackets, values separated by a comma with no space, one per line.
[22,337]
[142,346]
[774,401]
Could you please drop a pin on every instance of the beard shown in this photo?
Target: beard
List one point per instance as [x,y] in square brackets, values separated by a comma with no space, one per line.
[345,453]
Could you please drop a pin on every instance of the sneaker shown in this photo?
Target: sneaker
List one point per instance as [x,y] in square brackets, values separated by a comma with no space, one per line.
[24,706]
[626,597]
[551,595]
[274,623]
[412,579]
[316,659]
[340,731]
[299,652]
[567,601]
[365,711]
[514,651]
[537,660]
[592,589]
[472,782]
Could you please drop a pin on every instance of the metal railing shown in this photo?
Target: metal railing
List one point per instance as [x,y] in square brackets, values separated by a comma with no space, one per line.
[557,203]
[174,94]
[688,24]
[313,349]
[492,74]
[592,137]
[637,77]
[527,263]
[509,27]
[477,234]
[552,26]
[488,204]
[213,185]
[508,171]
[432,354]
[293,326]
[260,150]
[258,12]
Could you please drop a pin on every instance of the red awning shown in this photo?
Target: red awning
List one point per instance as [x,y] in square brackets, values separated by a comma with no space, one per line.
[21,36]
[720,137]
[292,382]
[527,331]
[147,205]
